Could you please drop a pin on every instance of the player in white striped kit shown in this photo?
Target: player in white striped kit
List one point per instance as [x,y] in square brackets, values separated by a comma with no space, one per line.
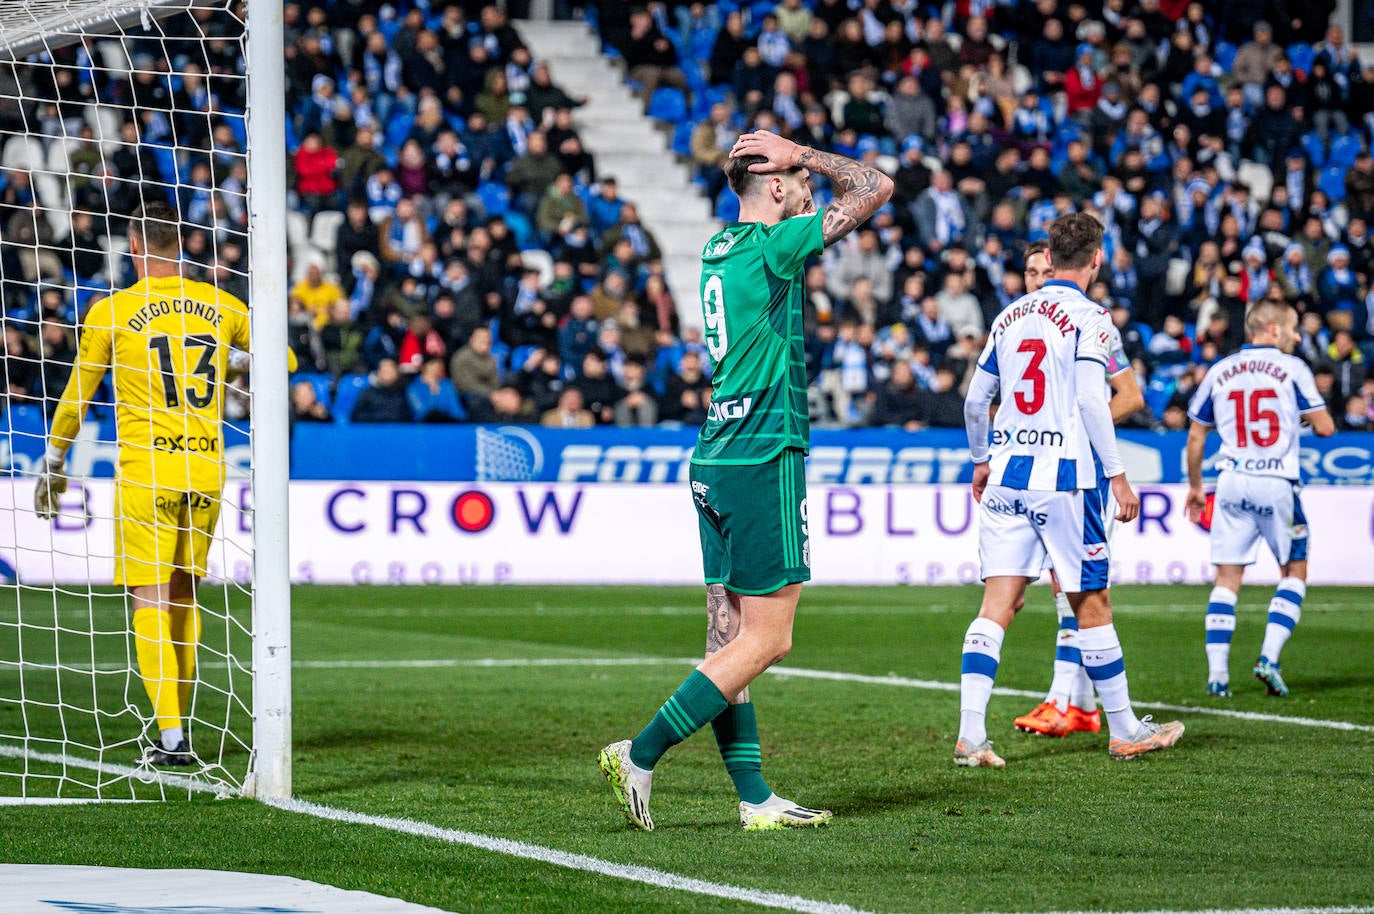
[1257,399]
[1069,706]
[1036,487]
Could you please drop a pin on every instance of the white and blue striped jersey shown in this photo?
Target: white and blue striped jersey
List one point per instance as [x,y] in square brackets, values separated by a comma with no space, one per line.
[1038,441]
[1256,399]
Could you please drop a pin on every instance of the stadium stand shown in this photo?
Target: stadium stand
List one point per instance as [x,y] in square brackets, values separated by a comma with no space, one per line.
[441,187]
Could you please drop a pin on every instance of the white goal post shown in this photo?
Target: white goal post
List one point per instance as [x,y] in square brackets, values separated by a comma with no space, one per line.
[75,126]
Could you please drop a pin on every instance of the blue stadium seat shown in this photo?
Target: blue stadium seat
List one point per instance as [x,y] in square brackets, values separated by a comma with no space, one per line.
[86,293]
[668,104]
[1301,56]
[321,382]
[701,107]
[1312,146]
[521,229]
[166,159]
[346,397]
[727,206]
[1157,394]
[237,123]
[519,356]
[398,128]
[682,138]
[21,314]
[495,198]
[293,142]
[501,353]
[1224,54]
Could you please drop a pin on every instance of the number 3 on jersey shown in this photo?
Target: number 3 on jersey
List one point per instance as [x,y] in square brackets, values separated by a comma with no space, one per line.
[1034,375]
[205,369]
[713,302]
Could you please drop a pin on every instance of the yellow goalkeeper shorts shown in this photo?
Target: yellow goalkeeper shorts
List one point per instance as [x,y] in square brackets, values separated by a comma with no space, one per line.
[159,531]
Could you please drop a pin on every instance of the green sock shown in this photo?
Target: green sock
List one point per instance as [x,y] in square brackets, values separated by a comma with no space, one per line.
[695,703]
[737,734]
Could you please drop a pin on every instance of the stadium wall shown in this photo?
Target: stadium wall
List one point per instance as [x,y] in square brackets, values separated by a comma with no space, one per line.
[456,453]
[618,533]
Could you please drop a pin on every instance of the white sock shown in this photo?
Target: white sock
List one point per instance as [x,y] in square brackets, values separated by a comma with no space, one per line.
[1104,662]
[982,651]
[171,738]
[1285,609]
[1067,660]
[1082,695]
[1221,625]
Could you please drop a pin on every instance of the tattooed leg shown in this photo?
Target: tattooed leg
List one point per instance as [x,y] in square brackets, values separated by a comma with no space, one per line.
[723,620]
[736,728]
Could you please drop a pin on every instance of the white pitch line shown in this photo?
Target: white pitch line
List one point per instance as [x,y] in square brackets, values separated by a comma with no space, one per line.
[780,671]
[143,775]
[1337,910]
[490,662]
[803,673]
[633,873]
[641,874]
[630,872]
[60,801]
[903,682]
[419,664]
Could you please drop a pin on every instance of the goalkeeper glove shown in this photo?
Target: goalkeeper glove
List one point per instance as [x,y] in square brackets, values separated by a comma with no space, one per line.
[47,496]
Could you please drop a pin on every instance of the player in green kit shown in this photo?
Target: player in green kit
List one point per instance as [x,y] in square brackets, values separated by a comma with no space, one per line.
[748,480]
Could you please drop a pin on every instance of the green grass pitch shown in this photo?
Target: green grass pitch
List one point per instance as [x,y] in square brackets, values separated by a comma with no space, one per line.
[1243,814]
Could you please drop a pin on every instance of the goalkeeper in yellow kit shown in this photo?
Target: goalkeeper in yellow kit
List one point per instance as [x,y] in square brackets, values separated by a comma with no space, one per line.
[170,343]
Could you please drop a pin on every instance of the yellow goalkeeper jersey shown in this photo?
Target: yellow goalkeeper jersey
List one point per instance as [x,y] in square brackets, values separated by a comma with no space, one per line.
[166,341]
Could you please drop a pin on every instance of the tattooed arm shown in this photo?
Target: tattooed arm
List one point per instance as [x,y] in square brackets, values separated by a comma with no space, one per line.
[859,189]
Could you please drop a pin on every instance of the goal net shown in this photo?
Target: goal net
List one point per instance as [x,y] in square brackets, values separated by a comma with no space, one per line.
[106,107]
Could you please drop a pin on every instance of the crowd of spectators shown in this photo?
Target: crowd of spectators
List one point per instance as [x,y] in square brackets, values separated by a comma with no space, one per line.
[459,258]
[1228,158]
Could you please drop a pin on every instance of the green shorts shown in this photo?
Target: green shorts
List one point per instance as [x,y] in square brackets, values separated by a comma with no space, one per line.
[752,518]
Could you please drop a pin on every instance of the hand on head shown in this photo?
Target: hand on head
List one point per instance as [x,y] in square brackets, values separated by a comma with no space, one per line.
[780,152]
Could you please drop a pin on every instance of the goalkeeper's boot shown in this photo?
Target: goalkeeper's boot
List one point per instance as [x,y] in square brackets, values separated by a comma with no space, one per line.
[1148,737]
[1045,720]
[1084,720]
[630,783]
[777,812]
[1268,673]
[180,757]
[979,756]
[1219,689]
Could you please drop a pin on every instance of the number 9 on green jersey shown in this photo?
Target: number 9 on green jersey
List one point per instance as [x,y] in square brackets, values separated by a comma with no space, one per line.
[752,292]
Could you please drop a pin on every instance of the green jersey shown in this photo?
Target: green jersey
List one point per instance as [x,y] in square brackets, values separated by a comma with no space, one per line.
[752,291]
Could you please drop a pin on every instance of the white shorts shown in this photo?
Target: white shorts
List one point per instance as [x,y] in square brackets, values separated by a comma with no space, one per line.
[1254,508]
[1020,529]
[1109,521]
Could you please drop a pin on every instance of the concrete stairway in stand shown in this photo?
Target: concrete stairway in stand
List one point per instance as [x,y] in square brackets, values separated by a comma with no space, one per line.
[628,146]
